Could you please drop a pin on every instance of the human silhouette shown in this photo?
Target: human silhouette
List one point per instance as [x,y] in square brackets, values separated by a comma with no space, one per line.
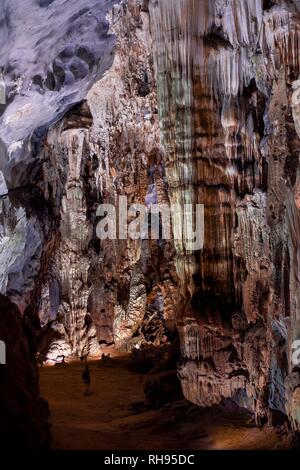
[86,377]
[106,359]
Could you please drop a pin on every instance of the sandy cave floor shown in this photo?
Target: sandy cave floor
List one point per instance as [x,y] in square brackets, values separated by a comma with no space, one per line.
[108,418]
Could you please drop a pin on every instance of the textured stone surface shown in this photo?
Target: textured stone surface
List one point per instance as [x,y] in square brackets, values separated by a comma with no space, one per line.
[227,85]
[132,279]
[199,103]
[51,54]
[108,146]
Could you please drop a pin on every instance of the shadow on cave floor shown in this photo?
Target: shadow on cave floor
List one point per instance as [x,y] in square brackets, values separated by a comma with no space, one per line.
[109,419]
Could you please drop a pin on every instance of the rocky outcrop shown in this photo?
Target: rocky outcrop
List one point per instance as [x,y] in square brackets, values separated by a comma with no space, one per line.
[66,291]
[227,85]
[105,291]
[23,413]
[50,57]
[134,279]
[182,101]
[91,292]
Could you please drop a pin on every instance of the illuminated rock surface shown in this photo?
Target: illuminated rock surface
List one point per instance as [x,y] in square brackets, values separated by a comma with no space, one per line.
[180,101]
[228,96]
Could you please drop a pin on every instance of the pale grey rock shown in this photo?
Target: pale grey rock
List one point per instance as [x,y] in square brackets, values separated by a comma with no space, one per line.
[3,187]
[50,55]
[20,254]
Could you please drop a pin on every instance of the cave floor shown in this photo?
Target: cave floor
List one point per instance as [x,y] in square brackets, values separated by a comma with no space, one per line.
[112,419]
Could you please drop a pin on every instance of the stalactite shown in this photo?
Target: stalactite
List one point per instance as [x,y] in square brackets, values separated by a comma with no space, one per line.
[223,70]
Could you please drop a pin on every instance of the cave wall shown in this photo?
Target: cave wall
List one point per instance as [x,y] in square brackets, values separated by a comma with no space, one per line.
[107,291]
[23,412]
[183,102]
[227,88]
[86,292]
[50,55]
[60,157]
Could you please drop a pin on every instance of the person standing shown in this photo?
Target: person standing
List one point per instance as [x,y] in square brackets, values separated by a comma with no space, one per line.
[86,377]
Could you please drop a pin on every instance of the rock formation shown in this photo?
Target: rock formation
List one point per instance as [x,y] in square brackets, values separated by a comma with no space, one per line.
[182,102]
[51,54]
[106,291]
[227,85]
[23,413]
[69,141]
